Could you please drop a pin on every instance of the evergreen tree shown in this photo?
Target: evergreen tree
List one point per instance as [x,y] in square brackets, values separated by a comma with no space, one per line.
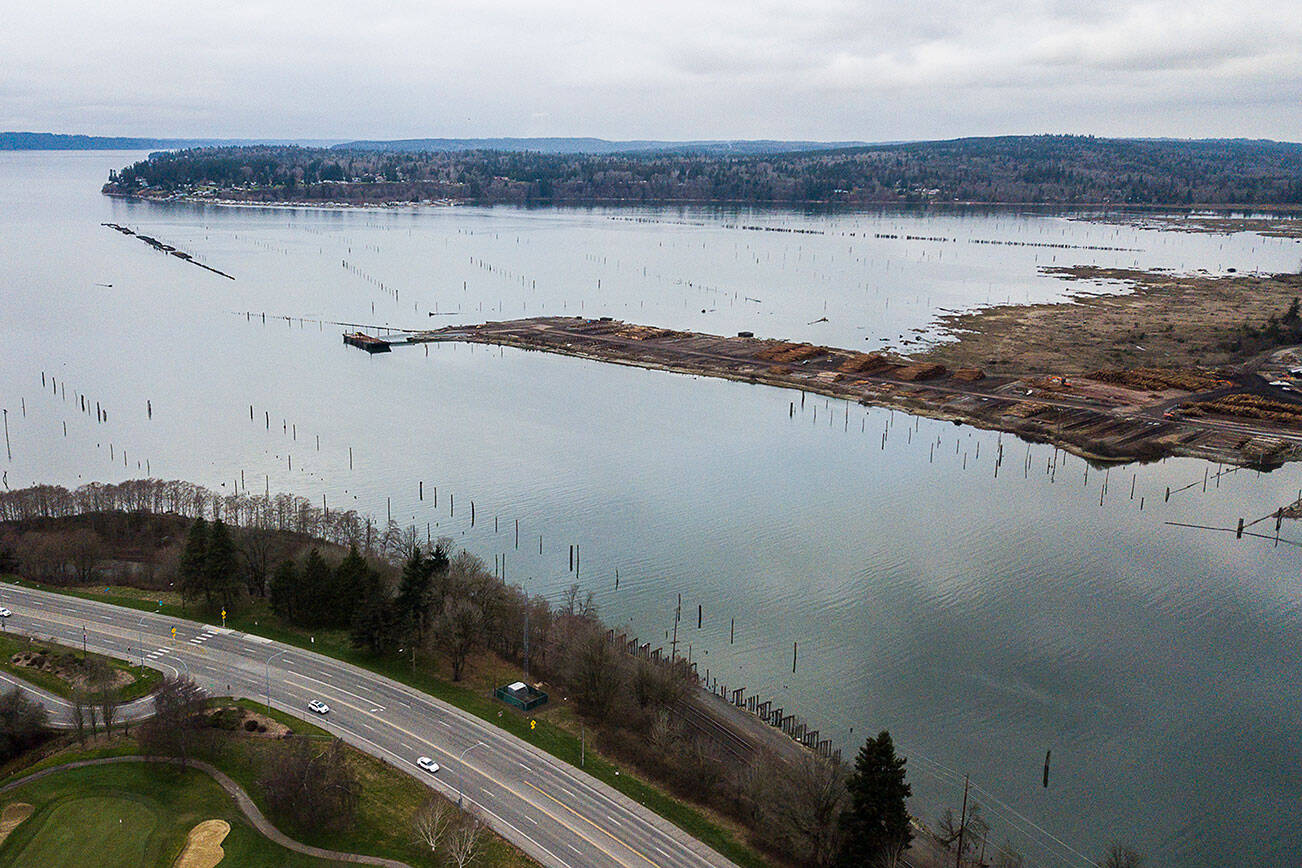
[374,623]
[285,592]
[353,585]
[316,587]
[190,572]
[416,591]
[876,824]
[221,581]
[8,560]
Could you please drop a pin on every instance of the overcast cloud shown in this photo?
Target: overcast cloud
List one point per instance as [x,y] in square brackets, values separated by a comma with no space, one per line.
[813,69]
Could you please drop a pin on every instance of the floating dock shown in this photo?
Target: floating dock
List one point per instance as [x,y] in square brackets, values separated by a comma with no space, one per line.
[370,343]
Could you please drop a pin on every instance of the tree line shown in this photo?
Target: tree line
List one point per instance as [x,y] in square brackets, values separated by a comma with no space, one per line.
[1011,169]
[397,598]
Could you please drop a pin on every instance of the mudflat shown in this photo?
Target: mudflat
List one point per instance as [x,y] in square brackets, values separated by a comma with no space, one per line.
[1166,321]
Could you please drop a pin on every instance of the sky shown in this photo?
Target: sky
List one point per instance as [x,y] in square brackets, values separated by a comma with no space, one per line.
[872,70]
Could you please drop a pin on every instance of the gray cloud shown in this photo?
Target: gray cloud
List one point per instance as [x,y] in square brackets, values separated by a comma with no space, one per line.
[873,69]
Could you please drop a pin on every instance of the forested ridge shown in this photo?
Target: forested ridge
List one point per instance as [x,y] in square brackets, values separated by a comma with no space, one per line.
[1021,169]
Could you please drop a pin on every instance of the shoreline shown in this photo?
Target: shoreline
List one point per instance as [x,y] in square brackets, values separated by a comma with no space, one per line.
[1102,422]
[839,204]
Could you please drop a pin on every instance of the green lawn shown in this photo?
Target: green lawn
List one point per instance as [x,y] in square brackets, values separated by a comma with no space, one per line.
[389,800]
[130,815]
[117,830]
[553,739]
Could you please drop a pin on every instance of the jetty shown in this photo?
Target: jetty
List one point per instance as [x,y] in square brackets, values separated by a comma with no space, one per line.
[163,247]
[1104,421]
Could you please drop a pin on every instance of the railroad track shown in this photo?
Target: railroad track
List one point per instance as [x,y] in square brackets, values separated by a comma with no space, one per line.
[707,725]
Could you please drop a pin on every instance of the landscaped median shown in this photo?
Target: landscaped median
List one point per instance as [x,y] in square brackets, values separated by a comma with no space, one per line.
[553,739]
[65,671]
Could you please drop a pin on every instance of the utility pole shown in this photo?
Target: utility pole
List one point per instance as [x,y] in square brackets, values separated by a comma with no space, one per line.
[8,451]
[962,826]
[678,613]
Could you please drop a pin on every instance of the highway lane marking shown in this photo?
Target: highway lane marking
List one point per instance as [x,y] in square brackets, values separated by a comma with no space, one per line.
[605,832]
[523,766]
[333,687]
[491,794]
[618,823]
[521,796]
[448,789]
[494,735]
[531,819]
[505,742]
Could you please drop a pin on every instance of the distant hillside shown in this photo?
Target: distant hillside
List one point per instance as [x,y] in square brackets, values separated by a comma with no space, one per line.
[1012,169]
[11,141]
[592,146]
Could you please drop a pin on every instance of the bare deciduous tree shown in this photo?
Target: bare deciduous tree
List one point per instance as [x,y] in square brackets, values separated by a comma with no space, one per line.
[84,549]
[22,721]
[1009,857]
[100,678]
[178,726]
[800,809]
[457,631]
[466,842]
[1122,856]
[79,715]
[432,822]
[314,787]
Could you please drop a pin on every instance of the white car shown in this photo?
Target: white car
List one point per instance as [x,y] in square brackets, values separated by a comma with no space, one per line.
[428,764]
[4,613]
[318,707]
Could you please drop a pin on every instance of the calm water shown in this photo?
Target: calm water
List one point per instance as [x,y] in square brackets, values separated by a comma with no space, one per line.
[983,619]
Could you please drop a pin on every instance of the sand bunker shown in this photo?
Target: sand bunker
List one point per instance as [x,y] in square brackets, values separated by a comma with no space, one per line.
[203,847]
[12,816]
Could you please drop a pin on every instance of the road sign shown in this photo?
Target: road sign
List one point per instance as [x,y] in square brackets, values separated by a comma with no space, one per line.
[533,724]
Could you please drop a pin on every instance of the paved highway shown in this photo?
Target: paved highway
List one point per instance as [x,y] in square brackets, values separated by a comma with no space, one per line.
[60,711]
[557,814]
